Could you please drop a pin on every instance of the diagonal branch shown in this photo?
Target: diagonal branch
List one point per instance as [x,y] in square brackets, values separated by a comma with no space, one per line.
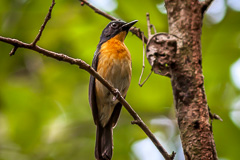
[47,18]
[98,11]
[83,65]
[134,30]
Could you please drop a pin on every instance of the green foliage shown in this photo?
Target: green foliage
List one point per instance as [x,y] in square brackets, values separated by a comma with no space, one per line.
[44,110]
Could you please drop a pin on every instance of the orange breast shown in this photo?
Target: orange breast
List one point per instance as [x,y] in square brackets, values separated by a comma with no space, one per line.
[113,53]
[114,65]
[114,48]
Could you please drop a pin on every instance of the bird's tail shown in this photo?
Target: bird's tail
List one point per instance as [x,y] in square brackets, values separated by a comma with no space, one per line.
[104,143]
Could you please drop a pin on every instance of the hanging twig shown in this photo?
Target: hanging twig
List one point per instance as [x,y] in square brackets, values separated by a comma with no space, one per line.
[143,67]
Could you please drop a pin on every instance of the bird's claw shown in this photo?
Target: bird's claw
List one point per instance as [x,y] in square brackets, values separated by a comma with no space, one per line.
[116,94]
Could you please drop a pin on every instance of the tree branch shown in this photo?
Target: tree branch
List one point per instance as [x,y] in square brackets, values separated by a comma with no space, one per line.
[48,17]
[143,67]
[83,65]
[205,4]
[185,21]
[13,51]
[98,11]
[134,30]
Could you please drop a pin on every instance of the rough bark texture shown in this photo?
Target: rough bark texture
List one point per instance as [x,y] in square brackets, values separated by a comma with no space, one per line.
[185,22]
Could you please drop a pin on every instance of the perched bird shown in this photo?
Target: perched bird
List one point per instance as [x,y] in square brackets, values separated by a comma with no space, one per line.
[112,60]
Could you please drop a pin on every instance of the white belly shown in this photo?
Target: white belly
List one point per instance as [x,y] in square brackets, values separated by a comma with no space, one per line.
[118,74]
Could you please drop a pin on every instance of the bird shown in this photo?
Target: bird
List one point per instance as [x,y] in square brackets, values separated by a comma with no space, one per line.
[112,60]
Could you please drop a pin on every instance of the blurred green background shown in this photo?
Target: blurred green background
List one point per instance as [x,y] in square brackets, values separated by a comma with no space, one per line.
[44,110]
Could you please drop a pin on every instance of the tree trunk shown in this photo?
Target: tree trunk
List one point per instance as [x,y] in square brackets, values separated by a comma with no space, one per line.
[185,22]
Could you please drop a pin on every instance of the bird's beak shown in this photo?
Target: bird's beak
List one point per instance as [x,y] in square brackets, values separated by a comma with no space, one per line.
[127,26]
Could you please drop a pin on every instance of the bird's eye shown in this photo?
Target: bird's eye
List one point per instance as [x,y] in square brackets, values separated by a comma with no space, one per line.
[114,25]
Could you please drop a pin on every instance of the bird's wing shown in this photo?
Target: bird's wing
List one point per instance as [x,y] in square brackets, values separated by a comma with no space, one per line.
[115,115]
[92,97]
[92,92]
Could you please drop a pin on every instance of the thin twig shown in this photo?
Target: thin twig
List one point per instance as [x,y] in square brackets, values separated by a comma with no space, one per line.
[134,30]
[13,51]
[205,4]
[214,116]
[146,78]
[154,29]
[143,67]
[98,11]
[47,18]
[148,26]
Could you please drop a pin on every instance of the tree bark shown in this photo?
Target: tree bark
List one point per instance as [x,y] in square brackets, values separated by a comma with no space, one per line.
[185,22]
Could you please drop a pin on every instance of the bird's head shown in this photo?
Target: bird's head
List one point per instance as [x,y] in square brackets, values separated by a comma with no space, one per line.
[116,29]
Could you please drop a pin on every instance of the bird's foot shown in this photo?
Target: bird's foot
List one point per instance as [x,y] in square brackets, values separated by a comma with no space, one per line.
[116,94]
